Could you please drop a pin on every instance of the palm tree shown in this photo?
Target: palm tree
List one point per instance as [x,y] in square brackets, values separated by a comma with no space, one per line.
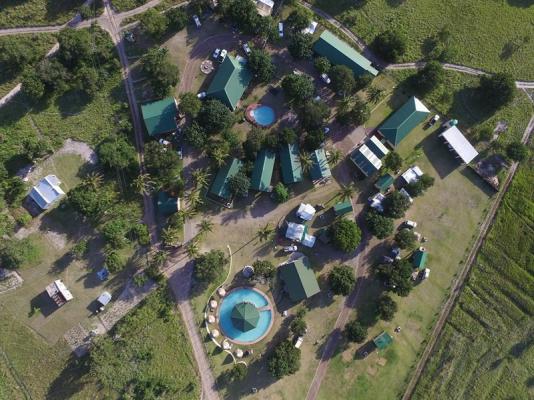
[194,199]
[160,257]
[188,213]
[192,249]
[93,179]
[200,177]
[374,94]
[306,161]
[205,226]
[265,232]
[346,191]
[143,184]
[334,156]
[171,236]
[219,155]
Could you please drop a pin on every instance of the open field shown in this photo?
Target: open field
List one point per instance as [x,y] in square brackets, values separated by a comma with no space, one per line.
[486,351]
[477,38]
[16,13]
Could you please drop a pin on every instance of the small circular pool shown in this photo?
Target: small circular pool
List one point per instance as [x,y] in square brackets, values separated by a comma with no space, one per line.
[245,315]
[261,115]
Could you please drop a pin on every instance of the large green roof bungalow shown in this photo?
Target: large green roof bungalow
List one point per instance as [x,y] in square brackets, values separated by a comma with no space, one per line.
[290,161]
[220,188]
[339,52]
[403,121]
[299,279]
[160,116]
[230,82]
[320,170]
[263,171]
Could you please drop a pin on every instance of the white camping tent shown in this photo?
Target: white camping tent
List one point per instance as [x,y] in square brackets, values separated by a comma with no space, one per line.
[306,212]
[295,231]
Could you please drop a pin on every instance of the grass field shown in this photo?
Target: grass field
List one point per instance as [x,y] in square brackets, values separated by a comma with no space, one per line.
[477,38]
[486,349]
[16,13]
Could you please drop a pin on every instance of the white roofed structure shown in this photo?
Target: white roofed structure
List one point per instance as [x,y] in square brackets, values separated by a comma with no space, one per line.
[310,30]
[59,292]
[306,211]
[459,144]
[295,231]
[47,191]
[104,298]
[412,174]
[264,7]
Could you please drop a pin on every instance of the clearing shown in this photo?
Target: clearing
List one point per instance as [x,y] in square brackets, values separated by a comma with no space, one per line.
[16,13]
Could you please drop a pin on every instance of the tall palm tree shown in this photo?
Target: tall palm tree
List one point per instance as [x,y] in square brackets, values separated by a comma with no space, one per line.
[200,177]
[265,232]
[93,179]
[171,236]
[306,161]
[192,249]
[205,226]
[160,257]
[143,184]
[188,213]
[219,155]
[346,191]
[334,156]
[374,94]
[194,199]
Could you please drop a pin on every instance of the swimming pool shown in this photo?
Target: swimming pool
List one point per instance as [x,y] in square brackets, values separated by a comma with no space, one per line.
[238,297]
[263,115]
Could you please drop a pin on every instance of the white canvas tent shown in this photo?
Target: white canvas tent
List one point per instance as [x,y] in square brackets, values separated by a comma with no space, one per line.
[295,231]
[412,174]
[459,144]
[306,212]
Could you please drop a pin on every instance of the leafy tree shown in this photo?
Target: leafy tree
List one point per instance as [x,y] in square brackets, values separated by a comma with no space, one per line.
[355,331]
[358,114]
[236,374]
[346,235]
[32,85]
[163,165]
[261,65]
[497,90]
[254,142]
[343,81]
[53,75]
[35,149]
[14,189]
[117,152]
[196,136]
[517,151]
[390,45]
[75,47]
[153,23]
[214,116]
[429,77]
[190,104]
[14,253]
[341,279]
[484,134]
[177,19]
[298,19]
[300,46]
[285,360]
[239,184]
[395,205]
[346,191]
[386,307]
[374,94]
[297,88]
[266,28]
[114,232]
[91,201]
[298,326]
[405,238]
[397,276]
[313,140]
[313,114]
[379,225]
[322,65]
[281,194]
[264,268]
[421,185]
[16,53]
[113,261]
[161,73]
[242,13]
[210,266]
[287,136]
[393,161]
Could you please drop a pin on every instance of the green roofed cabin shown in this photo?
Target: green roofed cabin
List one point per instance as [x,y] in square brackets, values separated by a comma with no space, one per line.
[160,116]
[230,82]
[342,208]
[383,340]
[263,171]
[290,161]
[339,52]
[419,259]
[167,205]
[299,279]
[320,170]
[403,121]
[384,182]
[220,188]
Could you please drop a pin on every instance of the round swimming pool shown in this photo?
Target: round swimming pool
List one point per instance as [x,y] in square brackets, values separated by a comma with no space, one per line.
[263,115]
[245,315]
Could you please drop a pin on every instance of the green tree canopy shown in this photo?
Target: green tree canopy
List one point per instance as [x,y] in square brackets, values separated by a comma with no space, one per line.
[14,253]
[280,192]
[312,114]
[397,276]
[239,184]
[343,81]
[322,65]
[300,46]
[390,45]
[264,268]
[386,307]
[420,186]
[297,88]
[378,224]
[261,65]
[517,151]
[117,152]
[214,116]
[497,90]
[341,279]
[393,161]
[405,238]
[346,235]
[298,19]
[210,266]
[161,73]
[429,77]
[284,360]
[190,104]
[355,331]
[196,136]
[395,205]
[153,23]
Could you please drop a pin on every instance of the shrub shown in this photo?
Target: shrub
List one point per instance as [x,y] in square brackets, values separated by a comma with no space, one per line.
[114,263]
[298,326]
[390,45]
[236,374]
[281,194]
[14,253]
[196,136]
[210,266]
[405,239]
[421,185]
[239,184]
[379,225]
[346,235]
[341,279]
[322,65]
[80,249]
[517,151]
[355,331]
[264,268]
[285,360]
[497,90]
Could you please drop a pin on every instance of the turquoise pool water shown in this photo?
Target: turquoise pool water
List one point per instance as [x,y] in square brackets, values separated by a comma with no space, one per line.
[225,315]
[263,115]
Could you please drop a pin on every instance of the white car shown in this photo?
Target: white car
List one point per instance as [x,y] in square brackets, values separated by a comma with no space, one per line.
[410,224]
[201,95]
[298,342]
[326,79]
[290,249]
[246,48]
[216,53]
[164,142]
[281,29]
[223,54]
[197,21]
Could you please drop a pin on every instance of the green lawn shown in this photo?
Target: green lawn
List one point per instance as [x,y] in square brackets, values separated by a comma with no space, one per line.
[15,13]
[486,349]
[478,39]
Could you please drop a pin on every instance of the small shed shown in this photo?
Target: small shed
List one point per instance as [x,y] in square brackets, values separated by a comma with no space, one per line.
[306,211]
[419,258]
[384,182]
[458,144]
[320,170]
[295,231]
[342,208]
[47,192]
[412,174]
[59,292]
[382,341]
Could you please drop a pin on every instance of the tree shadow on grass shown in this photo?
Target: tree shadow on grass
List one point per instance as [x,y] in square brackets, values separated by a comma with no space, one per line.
[43,302]
[477,181]
[55,8]
[72,103]
[71,380]
[521,3]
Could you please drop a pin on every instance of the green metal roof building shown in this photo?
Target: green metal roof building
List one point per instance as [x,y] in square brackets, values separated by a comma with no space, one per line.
[159,116]
[403,121]
[290,161]
[339,52]
[342,208]
[299,279]
[383,340]
[167,205]
[245,316]
[263,171]
[220,187]
[230,82]
[419,259]
[384,182]
[320,168]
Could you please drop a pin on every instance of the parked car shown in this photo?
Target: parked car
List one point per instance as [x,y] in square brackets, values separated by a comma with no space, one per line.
[433,120]
[201,95]
[298,342]
[290,249]
[180,152]
[223,54]
[246,48]
[197,21]
[164,142]
[326,79]
[103,300]
[216,53]
[281,29]
[410,224]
